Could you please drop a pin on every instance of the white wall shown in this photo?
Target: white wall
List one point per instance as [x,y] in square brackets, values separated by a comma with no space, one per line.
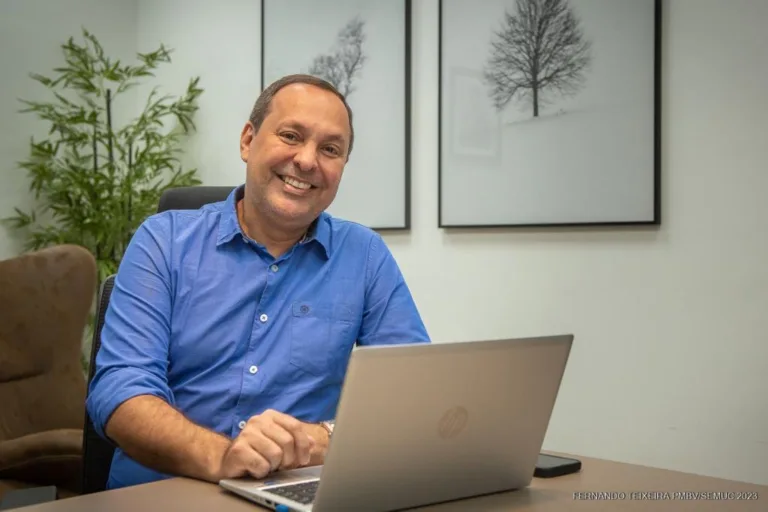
[670,359]
[669,364]
[220,42]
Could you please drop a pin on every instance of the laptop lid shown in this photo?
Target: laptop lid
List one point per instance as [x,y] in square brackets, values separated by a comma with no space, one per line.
[421,424]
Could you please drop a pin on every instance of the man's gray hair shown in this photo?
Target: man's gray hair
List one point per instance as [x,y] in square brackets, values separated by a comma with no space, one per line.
[261,107]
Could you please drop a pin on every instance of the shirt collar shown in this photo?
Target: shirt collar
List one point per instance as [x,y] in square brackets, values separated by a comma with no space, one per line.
[229,226]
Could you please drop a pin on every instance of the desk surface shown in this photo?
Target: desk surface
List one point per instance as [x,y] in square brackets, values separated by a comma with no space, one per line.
[644,489]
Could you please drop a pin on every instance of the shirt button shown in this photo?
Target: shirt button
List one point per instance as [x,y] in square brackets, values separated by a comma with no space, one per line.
[263,317]
[274,268]
[241,425]
[253,369]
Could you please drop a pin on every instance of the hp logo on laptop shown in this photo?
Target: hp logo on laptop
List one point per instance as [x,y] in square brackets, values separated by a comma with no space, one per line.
[453,422]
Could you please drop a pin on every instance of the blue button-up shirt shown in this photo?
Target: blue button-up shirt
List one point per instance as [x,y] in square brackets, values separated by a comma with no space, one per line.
[203,317]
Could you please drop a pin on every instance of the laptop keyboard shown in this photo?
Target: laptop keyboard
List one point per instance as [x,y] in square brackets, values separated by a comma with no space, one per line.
[303,492]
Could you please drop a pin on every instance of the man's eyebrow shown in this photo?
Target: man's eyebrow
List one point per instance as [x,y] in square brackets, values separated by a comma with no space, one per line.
[337,137]
[333,137]
[292,124]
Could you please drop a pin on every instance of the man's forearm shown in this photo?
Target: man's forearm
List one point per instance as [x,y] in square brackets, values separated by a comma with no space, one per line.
[158,436]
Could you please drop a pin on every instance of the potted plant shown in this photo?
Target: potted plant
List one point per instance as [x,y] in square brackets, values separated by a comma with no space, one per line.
[94,182]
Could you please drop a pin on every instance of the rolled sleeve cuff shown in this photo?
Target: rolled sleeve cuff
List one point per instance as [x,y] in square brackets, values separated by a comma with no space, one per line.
[115,387]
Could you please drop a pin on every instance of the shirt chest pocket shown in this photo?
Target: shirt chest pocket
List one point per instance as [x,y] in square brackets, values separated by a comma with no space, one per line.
[322,336]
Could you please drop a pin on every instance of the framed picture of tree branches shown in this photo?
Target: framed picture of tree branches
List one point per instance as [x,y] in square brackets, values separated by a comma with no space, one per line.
[549,113]
[363,48]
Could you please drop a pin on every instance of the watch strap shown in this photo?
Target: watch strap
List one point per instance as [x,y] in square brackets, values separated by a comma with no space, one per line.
[328,426]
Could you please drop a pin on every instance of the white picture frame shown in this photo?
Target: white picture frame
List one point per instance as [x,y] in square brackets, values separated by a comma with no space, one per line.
[328,39]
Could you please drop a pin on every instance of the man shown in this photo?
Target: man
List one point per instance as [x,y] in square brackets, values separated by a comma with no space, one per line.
[230,327]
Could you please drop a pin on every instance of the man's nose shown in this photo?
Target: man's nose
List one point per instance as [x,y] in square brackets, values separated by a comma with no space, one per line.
[306,158]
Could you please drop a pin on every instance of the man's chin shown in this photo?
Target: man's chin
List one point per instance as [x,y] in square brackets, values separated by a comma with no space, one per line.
[292,211]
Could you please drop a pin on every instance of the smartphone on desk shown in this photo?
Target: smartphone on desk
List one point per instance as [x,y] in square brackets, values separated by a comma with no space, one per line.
[549,466]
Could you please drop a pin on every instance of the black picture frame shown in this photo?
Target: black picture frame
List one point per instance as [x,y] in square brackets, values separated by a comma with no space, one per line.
[376,187]
[571,202]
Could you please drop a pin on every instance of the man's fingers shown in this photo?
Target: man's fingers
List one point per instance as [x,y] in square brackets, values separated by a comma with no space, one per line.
[304,451]
[289,423]
[301,453]
[285,441]
[258,466]
[242,459]
[266,447]
[280,439]
[303,443]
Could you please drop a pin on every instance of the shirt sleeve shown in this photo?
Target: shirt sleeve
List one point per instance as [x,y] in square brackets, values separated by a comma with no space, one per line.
[133,357]
[390,314]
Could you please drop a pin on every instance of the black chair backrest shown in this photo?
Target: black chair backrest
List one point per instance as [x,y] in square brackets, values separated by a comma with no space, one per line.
[98,452]
[191,198]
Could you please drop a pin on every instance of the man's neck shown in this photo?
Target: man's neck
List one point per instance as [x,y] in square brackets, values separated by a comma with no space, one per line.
[276,240]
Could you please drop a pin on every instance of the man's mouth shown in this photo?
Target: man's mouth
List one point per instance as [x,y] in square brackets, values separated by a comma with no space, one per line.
[301,185]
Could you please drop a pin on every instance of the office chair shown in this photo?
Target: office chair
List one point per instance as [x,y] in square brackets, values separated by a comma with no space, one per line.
[97,451]
[191,198]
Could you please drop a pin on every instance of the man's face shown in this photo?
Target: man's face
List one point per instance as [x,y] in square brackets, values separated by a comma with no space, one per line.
[295,161]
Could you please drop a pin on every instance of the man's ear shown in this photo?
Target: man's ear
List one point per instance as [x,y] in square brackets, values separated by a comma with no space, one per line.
[246,137]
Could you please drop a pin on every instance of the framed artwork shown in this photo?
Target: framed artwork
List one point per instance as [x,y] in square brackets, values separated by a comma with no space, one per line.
[548,113]
[363,48]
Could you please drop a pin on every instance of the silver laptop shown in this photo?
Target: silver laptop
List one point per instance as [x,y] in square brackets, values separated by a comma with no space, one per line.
[428,423]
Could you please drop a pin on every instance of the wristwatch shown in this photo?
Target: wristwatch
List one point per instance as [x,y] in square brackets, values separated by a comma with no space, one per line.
[328,426]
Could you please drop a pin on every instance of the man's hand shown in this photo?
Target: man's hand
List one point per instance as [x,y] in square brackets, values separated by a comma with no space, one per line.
[269,442]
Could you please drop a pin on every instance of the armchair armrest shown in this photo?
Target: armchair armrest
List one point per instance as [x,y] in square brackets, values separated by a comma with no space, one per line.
[46,458]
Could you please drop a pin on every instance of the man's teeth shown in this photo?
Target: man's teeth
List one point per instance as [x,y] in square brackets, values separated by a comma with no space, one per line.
[296,183]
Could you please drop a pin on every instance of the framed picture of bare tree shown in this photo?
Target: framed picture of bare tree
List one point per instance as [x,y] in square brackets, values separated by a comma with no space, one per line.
[363,48]
[548,113]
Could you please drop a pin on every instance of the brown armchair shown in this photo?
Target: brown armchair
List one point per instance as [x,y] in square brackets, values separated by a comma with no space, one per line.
[45,298]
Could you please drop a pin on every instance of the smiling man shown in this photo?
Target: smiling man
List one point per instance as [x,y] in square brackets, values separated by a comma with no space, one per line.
[229,328]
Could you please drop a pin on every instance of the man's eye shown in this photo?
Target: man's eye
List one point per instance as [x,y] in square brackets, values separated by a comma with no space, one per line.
[289,136]
[332,150]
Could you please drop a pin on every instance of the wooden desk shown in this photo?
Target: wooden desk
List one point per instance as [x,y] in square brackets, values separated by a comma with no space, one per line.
[566,493]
